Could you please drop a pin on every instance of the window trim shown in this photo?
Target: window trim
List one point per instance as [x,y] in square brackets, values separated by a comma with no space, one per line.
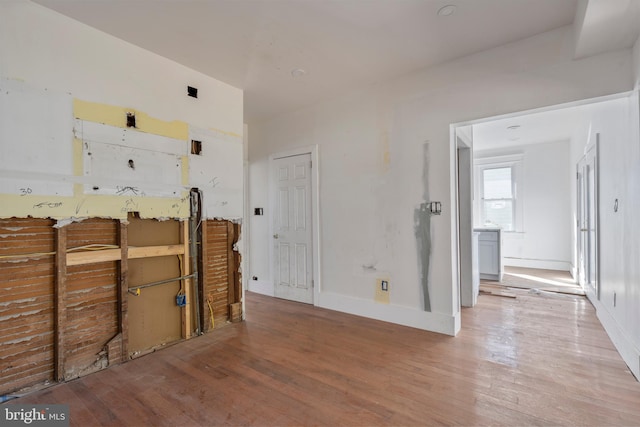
[515,162]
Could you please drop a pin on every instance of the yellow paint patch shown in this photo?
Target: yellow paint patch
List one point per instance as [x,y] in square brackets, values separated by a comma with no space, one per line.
[117,116]
[224,132]
[382,297]
[116,207]
[185,170]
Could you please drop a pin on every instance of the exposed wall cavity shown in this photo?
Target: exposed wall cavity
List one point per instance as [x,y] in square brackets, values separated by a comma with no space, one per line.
[422,219]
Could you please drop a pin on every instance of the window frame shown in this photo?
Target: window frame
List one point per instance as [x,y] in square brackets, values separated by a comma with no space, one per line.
[515,162]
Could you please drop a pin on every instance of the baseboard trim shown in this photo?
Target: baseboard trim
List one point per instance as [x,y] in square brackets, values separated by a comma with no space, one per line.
[406,316]
[629,352]
[261,287]
[537,263]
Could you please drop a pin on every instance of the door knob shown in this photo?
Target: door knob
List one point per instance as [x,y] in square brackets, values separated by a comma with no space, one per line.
[275,236]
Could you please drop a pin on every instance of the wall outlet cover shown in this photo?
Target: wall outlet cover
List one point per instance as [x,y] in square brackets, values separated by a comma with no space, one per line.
[382,291]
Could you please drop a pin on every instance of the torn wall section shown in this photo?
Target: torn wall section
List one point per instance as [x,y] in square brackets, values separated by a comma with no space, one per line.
[102,170]
[66,158]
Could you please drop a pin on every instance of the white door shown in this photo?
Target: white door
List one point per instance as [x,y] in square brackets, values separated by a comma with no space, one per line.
[587,227]
[292,228]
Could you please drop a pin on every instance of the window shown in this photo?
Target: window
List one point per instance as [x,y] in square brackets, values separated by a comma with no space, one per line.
[498,203]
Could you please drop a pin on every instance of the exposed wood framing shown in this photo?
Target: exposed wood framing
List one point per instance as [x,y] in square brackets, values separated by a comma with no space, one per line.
[153,251]
[91,257]
[81,295]
[60,296]
[237,258]
[205,314]
[230,264]
[123,289]
[27,312]
[91,302]
[220,270]
[187,324]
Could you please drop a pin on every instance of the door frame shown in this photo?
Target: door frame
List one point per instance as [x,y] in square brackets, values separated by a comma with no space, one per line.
[464,229]
[453,145]
[583,265]
[315,214]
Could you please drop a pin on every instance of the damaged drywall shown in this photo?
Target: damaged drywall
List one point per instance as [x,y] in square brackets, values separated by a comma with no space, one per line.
[84,160]
[422,219]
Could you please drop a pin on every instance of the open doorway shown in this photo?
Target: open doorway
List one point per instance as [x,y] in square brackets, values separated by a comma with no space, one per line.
[525,201]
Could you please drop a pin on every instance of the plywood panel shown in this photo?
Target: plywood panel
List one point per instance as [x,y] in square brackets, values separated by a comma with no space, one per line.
[26,303]
[153,316]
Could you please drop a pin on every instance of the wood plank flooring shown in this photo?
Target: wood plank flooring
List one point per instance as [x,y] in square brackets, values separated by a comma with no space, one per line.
[529,360]
[540,279]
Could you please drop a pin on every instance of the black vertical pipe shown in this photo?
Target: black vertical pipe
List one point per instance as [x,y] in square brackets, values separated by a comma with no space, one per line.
[193,252]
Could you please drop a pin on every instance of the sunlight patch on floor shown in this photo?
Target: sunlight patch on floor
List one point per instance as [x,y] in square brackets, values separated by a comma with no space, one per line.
[542,280]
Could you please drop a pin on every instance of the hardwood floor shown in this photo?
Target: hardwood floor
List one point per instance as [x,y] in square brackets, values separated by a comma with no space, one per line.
[529,360]
[535,278]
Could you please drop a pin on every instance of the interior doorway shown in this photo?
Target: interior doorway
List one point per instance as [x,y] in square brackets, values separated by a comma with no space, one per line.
[548,221]
[292,228]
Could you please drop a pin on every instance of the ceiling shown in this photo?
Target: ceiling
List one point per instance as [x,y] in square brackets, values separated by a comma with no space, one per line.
[336,45]
[547,126]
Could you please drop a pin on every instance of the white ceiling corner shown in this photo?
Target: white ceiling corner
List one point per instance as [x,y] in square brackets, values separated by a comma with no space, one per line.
[604,25]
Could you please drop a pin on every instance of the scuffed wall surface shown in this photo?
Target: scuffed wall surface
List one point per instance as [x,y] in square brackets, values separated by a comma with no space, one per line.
[371,165]
[217,171]
[54,70]
[48,50]
[26,303]
[95,165]
[636,62]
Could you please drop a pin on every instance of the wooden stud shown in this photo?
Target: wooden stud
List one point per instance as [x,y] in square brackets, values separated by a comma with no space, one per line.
[91,257]
[230,263]
[237,258]
[163,250]
[123,289]
[204,307]
[187,327]
[60,295]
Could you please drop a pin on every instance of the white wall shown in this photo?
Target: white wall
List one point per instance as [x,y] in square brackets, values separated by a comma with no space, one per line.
[618,124]
[49,50]
[636,62]
[545,238]
[367,203]
[49,62]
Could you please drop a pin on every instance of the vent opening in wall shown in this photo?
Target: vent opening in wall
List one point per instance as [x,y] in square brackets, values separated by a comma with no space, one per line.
[131,120]
[196,147]
[192,91]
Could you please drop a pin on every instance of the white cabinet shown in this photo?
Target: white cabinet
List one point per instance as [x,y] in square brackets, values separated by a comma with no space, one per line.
[490,253]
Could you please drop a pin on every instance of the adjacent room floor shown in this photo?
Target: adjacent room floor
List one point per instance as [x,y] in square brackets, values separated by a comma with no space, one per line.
[530,360]
[535,280]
